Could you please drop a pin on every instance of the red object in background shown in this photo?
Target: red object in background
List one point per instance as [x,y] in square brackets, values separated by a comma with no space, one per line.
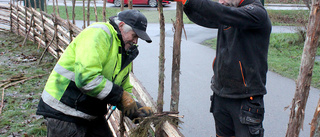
[152,3]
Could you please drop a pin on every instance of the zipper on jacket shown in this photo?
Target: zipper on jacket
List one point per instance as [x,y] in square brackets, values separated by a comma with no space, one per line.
[214,60]
[244,81]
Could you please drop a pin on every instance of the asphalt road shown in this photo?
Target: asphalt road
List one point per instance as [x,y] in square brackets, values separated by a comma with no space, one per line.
[195,78]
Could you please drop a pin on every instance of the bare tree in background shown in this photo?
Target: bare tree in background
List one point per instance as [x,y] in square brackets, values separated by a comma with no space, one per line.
[305,74]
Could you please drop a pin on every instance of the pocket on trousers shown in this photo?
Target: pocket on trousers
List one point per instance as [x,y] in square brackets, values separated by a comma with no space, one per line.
[212,103]
[256,130]
[252,112]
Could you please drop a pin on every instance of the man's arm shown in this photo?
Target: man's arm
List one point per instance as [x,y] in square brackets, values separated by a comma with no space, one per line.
[210,14]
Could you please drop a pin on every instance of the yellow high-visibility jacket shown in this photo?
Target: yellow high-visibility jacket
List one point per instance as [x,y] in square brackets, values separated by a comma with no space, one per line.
[90,74]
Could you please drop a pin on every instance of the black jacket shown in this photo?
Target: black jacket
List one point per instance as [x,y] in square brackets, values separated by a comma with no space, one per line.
[240,66]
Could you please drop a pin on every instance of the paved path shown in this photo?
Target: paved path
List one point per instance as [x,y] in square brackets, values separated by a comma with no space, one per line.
[195,78]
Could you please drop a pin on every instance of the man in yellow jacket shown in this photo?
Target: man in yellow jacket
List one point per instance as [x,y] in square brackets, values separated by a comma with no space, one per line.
[93,72]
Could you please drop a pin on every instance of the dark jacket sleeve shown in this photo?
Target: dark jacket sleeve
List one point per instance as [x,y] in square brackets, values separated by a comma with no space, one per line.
[208,13]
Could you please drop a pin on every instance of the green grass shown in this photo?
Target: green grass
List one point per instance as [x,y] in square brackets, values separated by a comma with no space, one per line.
[18,116]
[288,17]
[278,17]
[284,56]
[152,15]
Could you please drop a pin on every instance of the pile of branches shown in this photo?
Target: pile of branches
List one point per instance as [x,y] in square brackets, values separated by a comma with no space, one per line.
[157,120]
[14,80]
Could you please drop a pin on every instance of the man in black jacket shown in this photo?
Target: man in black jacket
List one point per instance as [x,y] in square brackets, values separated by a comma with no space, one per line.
[240,66]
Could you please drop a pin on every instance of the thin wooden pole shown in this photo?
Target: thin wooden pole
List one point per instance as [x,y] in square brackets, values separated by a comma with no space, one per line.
[45,6]
[84,14]
[69,28]
[11,16]
[54,7]
[26,15]
[175,79]
[95,10]
[43,21]
[73,13]
[159,131]
[130,4]
[57,5]
[33,24]
[122,5]
[17,19]
[88,13]
[104,11]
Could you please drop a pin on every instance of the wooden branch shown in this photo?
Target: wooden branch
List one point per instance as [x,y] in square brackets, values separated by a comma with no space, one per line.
[146,99]
[44,51]
[25,39]
[2,102]
[5,6]
[14,83]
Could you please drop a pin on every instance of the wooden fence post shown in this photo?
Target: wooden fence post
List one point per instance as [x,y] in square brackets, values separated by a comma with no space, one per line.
[176,56]
[159,131]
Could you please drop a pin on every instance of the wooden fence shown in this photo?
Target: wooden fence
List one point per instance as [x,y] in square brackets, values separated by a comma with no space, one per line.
[54,34]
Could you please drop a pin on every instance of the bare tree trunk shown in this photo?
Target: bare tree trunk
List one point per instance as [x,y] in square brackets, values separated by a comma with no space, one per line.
[305,74]
[162,59]
[175,79]
[315,126]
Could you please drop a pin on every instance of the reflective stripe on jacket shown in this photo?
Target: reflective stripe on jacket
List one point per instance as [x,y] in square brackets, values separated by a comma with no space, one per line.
[87,77]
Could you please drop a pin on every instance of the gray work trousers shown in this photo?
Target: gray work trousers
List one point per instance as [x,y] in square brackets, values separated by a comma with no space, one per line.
[96,128]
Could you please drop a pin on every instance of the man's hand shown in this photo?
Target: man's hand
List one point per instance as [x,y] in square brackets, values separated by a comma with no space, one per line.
[183,1]
[128,104]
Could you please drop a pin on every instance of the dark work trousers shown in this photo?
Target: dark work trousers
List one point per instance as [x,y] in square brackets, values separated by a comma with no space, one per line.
[96,128]
[238,117]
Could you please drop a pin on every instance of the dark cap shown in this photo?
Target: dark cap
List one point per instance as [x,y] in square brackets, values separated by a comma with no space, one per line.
[137,21]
